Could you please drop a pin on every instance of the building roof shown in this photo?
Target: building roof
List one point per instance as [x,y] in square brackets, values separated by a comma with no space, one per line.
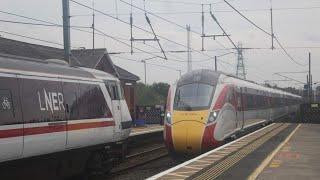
[80,57]
[124,74]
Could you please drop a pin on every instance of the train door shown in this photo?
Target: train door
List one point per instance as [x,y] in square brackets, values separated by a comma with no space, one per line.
[44,115]
[114,92]
[240,108]
[126,120]
[71,93]
[11,123]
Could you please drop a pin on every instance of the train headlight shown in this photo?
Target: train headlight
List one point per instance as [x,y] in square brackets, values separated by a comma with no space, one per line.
[168,117]
[213,116]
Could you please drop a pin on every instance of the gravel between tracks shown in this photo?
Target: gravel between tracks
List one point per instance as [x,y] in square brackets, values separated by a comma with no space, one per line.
[144,171]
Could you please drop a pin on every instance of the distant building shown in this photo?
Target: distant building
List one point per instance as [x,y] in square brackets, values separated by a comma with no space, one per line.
[97,59]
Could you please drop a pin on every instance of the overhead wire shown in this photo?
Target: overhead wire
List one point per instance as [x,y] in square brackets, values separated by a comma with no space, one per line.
[139,61]
[33,38]
[126,43]
[254,24]
[51,24]
[216,11]
[187,3]
[277,40]
[142,29]
[159,17]
[164,19]
[39,24]
[57,25]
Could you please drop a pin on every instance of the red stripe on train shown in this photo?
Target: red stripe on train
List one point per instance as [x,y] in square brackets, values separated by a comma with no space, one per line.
[10,133]
[73,127]
[221,98]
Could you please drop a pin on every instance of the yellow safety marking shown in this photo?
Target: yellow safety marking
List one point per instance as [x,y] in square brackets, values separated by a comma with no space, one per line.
[275,164]
[228,151]
[265,163]
[286,148]
[191,167]
[264,135]
[212,159]
[201,165]
[221,152]
[214,156]
[220,155]
[175,174]
[170,177]
[186,172]
[229,162]
[204,161]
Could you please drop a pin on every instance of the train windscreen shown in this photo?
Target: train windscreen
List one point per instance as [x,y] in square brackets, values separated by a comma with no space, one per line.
[193,97]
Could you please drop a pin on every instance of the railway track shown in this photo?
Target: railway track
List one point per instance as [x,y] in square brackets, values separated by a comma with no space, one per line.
[149,160]
[151,155]
[139,159]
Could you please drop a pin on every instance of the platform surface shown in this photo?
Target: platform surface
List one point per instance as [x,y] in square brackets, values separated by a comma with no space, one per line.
[299,158]
[151,128]
[278,151]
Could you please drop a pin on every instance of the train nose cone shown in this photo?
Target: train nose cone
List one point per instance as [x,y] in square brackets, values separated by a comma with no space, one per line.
[187,136]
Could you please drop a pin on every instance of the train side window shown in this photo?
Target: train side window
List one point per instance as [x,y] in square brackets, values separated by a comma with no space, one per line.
[71,91]
[6,106]
[92,103]
[250,101]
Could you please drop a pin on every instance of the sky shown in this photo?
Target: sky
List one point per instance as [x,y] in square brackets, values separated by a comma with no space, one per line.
[296,26]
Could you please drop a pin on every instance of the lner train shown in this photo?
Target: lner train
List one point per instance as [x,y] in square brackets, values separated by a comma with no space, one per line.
[205,107]
[72,117]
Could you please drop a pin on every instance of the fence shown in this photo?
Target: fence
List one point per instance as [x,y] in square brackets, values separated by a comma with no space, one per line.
[310,112]
[150,114]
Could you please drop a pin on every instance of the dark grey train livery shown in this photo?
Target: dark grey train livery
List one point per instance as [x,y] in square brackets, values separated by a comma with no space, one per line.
[48,108]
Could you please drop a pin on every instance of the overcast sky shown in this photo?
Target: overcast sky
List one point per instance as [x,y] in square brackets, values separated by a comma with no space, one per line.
[296,24]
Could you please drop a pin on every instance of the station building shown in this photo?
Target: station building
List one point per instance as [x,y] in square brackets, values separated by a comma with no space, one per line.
[96,59]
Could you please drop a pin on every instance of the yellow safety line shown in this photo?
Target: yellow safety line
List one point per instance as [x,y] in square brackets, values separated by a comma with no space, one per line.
[250,138]
[175,174]
[185,172]
[229,162]
[266,161]
[199,165]
[204,161]
[191,167]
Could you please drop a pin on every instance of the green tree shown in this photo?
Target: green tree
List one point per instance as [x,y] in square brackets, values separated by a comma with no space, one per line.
[161,88]
[155,94]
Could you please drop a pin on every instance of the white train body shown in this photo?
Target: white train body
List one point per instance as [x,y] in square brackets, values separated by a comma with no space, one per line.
[206,107]
[51,108]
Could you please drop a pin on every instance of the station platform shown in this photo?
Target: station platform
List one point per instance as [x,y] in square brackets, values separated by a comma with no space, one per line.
[298,158]
[277,151]
[147,129]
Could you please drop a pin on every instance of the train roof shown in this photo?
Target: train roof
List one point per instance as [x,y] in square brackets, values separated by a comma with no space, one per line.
[20,65]
[199,75]
[211,77]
